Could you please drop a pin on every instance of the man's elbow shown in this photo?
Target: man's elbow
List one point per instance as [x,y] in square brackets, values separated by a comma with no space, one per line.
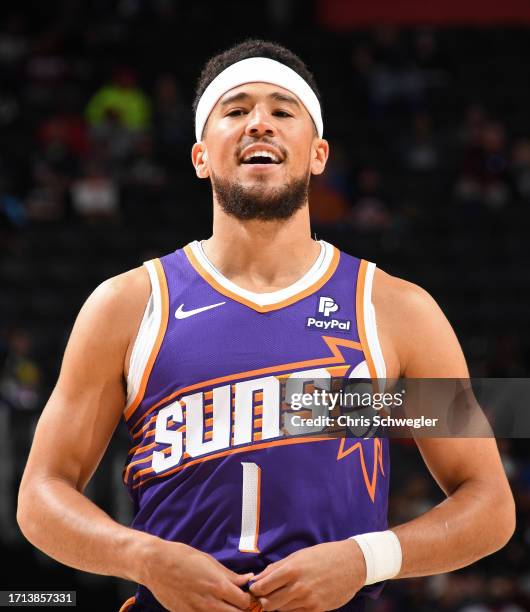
[25,519]
[24,511]
[27,512]
[504,521]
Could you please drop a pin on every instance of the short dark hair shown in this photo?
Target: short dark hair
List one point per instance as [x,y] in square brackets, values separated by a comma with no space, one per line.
[252,47]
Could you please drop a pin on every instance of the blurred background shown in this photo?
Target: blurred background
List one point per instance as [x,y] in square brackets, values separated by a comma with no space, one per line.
[426,107]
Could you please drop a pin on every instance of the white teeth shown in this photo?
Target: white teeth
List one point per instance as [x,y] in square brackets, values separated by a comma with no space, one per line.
[268,154]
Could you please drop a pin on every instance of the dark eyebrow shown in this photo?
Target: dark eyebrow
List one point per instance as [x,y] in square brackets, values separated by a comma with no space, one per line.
[276,95]
[235,98]
[280,97]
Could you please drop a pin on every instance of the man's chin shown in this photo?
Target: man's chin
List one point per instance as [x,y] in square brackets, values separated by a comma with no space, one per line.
[261,199]
[262,189]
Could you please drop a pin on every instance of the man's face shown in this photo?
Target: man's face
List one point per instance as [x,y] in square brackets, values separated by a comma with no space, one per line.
[259,149]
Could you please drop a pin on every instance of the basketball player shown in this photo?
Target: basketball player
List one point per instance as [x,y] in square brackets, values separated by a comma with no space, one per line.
[198,350]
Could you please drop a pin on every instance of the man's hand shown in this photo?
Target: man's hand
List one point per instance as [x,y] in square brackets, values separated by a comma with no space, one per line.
[184,579]
[321,577]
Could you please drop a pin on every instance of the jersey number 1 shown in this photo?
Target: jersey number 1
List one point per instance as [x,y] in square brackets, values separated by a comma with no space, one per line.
[248,541]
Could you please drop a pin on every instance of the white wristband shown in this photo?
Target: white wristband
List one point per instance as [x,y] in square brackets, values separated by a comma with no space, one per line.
[382,554]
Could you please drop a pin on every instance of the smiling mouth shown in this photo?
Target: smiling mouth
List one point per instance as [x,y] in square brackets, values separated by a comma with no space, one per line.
[262,160]
[261,156]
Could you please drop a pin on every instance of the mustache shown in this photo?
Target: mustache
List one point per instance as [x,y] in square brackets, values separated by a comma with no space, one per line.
[265,140]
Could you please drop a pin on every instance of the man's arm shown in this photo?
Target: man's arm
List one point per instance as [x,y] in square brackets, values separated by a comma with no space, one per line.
[477,517]
[71,437]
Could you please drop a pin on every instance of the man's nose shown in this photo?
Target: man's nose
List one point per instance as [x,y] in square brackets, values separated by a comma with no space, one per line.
[259,124]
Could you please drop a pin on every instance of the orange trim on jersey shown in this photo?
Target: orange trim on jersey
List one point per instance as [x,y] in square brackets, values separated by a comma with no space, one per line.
[287,302]
[148,458]
[128,604]
[147,447]
[231,451]
[371,483]
[255,548]
[164,295]
[359,303]
[336,357]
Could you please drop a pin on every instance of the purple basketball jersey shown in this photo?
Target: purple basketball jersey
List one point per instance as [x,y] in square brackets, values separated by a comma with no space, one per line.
[213,462]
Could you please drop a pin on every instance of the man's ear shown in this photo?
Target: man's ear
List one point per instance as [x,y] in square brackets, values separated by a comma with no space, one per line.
[199,158]
[319,155]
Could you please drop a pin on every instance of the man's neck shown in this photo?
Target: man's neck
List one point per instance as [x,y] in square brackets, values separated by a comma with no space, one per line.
[262,256]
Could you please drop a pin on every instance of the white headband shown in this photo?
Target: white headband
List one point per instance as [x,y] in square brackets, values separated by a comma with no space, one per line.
[254,70]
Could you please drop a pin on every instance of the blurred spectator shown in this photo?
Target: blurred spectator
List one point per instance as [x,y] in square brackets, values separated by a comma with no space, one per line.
[434,66]
[118,113]
[420,150]
[120,101]
[370,212]
[47,70]
[363,65]
[484,175]
[395,82]
[95,196]
[470,132]
[20,377]
[64,133]
[13,41]
[45,202]
[12,210]
[143,171]
[172,119]
[328,206]
[330,199]
[143,181]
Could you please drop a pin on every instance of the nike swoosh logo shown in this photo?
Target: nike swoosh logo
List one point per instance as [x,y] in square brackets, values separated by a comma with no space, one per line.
[184,314]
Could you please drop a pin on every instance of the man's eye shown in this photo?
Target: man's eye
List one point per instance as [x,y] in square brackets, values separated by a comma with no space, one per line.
[235,113]
[281,114]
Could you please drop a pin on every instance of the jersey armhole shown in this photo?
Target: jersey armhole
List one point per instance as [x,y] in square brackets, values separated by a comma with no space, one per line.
[368,322]
[149,338]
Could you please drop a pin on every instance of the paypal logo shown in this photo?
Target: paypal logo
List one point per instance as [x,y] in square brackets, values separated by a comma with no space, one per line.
[326,307]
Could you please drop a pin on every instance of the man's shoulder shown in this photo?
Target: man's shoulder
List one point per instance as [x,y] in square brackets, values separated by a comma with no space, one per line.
[119,301]
[414,329]
[123,292]
[126,285]
[115,309]
[398,294]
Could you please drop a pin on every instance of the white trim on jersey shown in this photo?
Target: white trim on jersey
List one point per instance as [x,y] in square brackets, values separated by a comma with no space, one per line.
[146,337]
[370,324]
[317,271]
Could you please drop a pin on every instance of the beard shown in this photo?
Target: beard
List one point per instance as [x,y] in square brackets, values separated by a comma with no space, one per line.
[260,202]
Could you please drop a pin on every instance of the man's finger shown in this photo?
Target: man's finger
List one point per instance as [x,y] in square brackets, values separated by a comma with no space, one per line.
[280,598]
[232,594]
[275,580]
[239,579]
